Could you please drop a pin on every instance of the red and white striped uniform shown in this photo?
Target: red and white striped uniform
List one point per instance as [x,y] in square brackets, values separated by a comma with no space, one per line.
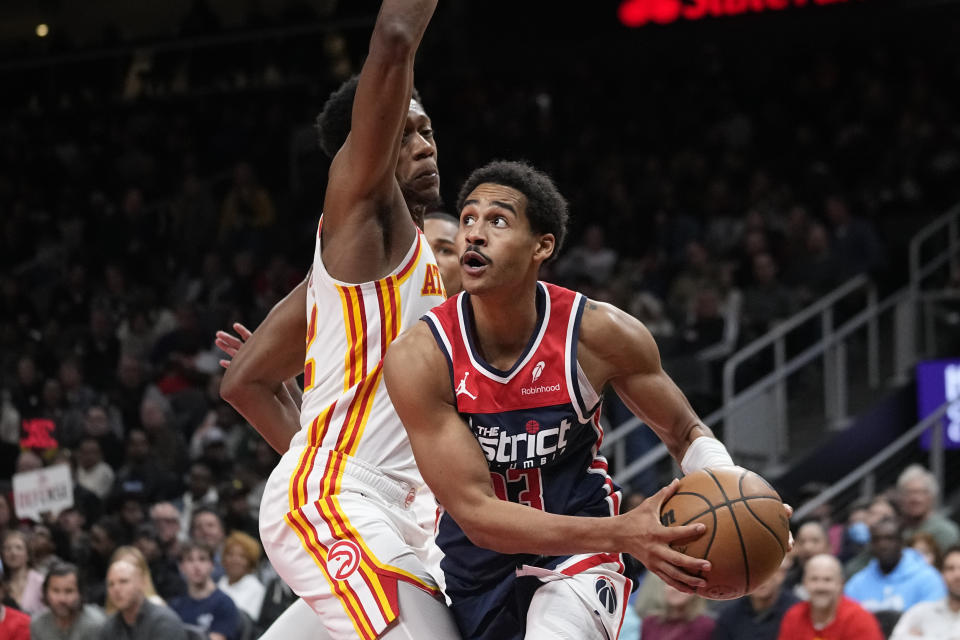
[337,517]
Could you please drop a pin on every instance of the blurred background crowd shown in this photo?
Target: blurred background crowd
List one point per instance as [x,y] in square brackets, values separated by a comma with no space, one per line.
[156,189]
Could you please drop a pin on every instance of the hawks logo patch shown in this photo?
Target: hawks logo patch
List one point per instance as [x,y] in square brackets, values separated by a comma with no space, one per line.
[343,558]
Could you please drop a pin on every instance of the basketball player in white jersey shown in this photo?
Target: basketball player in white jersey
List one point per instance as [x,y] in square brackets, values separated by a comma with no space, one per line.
[336,517]
[440,231]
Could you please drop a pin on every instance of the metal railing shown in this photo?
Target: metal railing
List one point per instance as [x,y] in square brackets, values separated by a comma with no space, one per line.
[865,472]
[921,270]
[737,405]
[832,346]
[747,413]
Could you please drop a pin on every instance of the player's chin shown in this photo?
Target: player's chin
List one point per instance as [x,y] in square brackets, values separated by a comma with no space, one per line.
[474,285]
[428,196]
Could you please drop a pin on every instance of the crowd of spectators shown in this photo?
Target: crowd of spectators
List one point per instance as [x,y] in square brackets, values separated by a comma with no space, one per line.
[147,203]
[891,570]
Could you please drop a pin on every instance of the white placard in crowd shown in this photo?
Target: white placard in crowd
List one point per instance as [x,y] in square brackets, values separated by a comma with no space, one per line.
[36,492]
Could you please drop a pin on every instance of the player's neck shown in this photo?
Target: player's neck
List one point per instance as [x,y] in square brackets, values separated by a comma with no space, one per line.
[503,324]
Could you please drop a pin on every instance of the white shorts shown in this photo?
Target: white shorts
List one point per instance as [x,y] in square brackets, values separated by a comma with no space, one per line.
[341,535]
[583,598]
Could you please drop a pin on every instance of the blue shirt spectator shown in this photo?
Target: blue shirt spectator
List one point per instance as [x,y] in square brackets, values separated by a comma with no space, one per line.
[204,605]
[896,578]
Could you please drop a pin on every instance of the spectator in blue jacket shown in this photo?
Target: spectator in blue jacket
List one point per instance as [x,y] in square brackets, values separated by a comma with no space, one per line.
[896,578]
[204,605]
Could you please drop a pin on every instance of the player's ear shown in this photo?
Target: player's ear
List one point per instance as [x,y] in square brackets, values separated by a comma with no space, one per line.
[545,247]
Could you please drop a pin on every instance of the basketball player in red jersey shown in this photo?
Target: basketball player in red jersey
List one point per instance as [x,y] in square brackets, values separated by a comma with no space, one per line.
[336,517]
[516,366]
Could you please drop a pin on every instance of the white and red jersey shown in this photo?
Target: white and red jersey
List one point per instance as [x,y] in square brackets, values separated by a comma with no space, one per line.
[345,403]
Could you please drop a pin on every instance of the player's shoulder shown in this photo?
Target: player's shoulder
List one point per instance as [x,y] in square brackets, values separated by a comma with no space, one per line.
[446,313]
[413,340]
[603,324]
[612,343]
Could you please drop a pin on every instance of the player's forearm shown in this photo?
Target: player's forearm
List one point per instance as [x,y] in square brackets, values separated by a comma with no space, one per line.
[507,527]
[274,415]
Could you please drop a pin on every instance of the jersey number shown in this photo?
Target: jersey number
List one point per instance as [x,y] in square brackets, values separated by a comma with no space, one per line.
[530,493]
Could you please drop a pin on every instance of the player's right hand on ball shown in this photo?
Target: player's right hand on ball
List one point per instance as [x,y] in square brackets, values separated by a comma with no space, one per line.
[649,542]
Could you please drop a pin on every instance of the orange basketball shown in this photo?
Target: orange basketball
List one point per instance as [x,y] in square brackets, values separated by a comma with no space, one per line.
[747,528]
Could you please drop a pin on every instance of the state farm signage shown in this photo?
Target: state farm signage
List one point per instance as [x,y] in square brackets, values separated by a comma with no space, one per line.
[636,13]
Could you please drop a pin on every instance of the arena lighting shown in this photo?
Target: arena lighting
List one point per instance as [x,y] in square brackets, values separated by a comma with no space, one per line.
[42,30]
[637,13]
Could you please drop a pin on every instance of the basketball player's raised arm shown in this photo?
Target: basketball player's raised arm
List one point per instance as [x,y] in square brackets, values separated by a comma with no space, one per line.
[453,465]
[362,187]
[616,348]
[254,382]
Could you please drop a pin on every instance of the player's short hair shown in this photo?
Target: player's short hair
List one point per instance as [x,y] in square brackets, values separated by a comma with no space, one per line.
[546,207]
[334,121]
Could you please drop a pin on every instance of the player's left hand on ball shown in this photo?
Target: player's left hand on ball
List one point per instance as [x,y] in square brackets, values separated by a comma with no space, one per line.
[649,542]
[231,344]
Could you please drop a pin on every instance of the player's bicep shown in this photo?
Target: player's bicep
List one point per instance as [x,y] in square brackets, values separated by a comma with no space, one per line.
[635,373]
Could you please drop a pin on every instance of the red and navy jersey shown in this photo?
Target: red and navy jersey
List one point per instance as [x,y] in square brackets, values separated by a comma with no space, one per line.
[537,424]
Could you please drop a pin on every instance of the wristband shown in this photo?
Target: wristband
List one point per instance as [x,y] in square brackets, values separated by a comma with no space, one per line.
[705,452]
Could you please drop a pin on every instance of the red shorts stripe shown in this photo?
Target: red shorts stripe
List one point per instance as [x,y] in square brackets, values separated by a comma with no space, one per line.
[592,561]
[345,594]
[330,481]
[306,460]
[626,603]
[319,434]
[384,593]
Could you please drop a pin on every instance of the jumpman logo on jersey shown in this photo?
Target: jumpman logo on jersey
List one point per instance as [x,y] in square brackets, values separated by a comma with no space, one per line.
[462,387]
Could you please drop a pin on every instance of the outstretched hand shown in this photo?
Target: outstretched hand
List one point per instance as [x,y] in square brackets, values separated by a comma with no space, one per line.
[649,542]
[231,344]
